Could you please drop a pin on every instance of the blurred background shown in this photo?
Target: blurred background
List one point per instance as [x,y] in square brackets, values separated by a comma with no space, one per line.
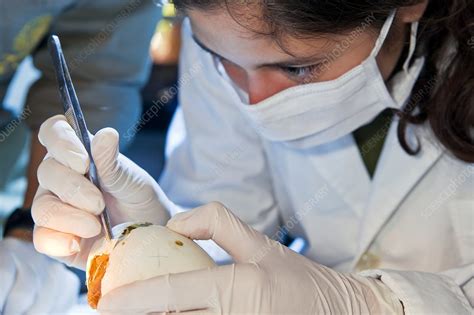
[147,149]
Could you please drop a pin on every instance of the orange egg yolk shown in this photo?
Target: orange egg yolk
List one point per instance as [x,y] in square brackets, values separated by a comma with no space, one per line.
[94,282]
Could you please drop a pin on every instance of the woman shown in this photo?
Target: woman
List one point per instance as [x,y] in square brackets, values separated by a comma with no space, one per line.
[348,124]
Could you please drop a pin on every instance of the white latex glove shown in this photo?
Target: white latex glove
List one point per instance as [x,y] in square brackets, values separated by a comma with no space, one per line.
[267,278]
[32,283]
[66,204]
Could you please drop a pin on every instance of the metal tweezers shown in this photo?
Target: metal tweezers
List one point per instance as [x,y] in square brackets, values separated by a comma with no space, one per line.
[74,116]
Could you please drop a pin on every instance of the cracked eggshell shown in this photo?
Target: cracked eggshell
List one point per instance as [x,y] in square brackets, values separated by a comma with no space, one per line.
[147,252]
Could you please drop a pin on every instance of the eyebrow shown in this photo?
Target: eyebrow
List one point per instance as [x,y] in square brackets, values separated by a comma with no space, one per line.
[302,61]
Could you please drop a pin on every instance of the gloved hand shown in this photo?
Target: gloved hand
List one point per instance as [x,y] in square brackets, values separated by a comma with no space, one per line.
[267,278]
[32,283]
[66,204]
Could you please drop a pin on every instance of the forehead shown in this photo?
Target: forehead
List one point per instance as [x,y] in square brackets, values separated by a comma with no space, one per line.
[245,40]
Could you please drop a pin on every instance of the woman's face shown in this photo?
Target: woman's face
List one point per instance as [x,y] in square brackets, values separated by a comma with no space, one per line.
[259,66]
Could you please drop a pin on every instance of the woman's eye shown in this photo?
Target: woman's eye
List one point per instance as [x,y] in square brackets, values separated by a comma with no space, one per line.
[306,73]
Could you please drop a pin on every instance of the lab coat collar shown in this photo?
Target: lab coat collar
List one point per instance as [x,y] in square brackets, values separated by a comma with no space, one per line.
[396,175]
[341,164]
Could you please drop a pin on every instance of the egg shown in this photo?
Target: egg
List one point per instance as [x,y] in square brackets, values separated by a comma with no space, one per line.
[139,251]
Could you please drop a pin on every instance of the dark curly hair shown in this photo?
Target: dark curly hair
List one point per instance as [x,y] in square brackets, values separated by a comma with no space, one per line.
[443,96]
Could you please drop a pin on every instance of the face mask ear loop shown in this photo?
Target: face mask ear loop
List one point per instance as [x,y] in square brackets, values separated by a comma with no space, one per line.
[383,33]
[411,50]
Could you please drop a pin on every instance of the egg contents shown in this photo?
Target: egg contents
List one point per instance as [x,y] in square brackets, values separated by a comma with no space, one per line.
[142,251]
[96,273]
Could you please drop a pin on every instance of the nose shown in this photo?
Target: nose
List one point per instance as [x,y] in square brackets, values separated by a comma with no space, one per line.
[262,86]
[259,84]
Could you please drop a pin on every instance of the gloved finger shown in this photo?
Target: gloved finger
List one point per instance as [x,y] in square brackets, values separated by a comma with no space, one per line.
[7,273]
[105,150]
[214,221]
[157,295]
[50,212]
[54,243]
[70,186]
[63,144]
[210,290]
[59,292]
[195,312]
[200,312]
[132,187]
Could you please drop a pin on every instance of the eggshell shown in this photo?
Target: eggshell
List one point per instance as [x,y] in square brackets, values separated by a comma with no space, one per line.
[147,252]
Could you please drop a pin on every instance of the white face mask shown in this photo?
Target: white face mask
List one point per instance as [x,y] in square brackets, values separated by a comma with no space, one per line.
[317,113]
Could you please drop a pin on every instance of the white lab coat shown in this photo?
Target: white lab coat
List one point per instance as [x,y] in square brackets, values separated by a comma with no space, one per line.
[411,223]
